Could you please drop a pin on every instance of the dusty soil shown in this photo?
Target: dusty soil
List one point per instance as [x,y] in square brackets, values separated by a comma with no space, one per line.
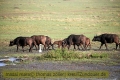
[65,65]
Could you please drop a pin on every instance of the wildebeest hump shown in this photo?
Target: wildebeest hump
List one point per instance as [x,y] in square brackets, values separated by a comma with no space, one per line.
[72,39]
[39,39]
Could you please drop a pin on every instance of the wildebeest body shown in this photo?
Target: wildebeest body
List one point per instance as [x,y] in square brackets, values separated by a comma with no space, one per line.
[23,41]
[107,38]
[39,39]
[75,40]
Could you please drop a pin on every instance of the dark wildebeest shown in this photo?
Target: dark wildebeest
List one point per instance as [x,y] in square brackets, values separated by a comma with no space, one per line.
[23,41]
[107,38]
[48,42]
[59,43]
[39,39]
[75,40]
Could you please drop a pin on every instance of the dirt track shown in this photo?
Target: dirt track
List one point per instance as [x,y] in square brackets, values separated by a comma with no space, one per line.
[66,65]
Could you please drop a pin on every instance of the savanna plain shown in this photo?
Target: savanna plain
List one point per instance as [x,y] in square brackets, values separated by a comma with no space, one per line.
[58,19]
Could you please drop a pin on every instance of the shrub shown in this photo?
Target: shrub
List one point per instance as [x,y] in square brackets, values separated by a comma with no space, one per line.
[99,55]
[58,54]
[64,54]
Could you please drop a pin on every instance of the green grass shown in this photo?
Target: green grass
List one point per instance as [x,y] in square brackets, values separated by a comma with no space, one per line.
[71,55]
[53,17]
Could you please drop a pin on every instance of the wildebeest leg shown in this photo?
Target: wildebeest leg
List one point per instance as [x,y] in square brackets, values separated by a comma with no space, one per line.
[38,47]
[23,48]
[52,46]
[35,47]
[106,46]
[31,46]
[69,47]
[101,45]
[58,46]
[78,47]
[117,45]
[84,46]
[89,46]
[48,47]
[30,50]
[17,48]
[64,45]
[74,47]
[34,44]
[44,47]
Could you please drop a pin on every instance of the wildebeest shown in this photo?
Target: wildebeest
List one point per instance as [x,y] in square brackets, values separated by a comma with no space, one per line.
[39,39]
[87,43]
[75,40]
[59,43]
[23,41]
[48,42]
[107,38]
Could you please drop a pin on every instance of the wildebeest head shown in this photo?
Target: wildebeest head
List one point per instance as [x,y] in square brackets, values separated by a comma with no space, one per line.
[11,43]
[64,42]
[96,38]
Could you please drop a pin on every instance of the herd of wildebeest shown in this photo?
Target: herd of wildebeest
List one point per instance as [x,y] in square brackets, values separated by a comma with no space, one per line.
[75,40]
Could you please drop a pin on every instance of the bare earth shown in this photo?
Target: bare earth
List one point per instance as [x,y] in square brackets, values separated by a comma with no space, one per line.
[65,65]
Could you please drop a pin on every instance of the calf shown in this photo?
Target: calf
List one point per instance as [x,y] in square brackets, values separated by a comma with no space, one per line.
[87,43]
[59,43]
